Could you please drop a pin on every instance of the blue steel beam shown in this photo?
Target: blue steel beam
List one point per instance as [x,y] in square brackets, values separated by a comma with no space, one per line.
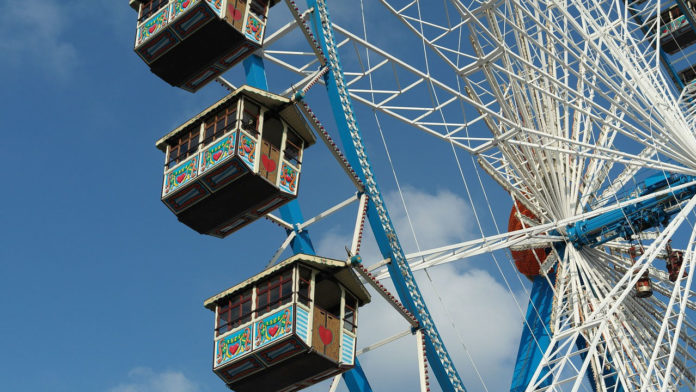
[382,227]
[256,77]
[536,338]
[637,217]
[291,212]
[611,381]
[536,334]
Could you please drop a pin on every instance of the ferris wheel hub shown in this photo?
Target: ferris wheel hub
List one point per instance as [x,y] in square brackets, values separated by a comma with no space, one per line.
[634,218]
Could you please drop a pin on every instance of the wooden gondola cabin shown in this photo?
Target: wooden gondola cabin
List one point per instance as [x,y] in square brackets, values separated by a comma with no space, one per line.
[188,43]
[675,31]
[234,162]
[288,327]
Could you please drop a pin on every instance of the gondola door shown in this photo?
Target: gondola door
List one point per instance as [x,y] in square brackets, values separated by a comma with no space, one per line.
[270,148]
[235,13]
[326,334]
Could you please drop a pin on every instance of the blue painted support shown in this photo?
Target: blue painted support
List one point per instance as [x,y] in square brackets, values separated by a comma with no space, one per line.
[611,381]
[637,217]
[356,380]
[291,213]
[381,225]
[255,72]
[536,335]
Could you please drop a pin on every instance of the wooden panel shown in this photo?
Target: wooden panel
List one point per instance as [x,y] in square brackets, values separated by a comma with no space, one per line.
[333,324]
[275,157]
[235,13]
[265,147]
[270,155]
[326,333]
[318,319]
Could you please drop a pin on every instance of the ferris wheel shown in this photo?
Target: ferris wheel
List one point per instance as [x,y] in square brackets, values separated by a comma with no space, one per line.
[566,105]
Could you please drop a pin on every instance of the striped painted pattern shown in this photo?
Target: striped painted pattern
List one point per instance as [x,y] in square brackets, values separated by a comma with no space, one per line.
[347,345]
[302,326]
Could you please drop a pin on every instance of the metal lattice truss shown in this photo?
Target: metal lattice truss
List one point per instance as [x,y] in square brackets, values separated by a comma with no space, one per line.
[564,105]
[565,99]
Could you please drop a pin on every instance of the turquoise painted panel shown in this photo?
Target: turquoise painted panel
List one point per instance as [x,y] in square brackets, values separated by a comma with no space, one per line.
[181,6]
[218,152]
[254,29]
[181,175]
[153,25]
[347,347]
[233,346]
[288,178]
[273,327]
[302,324]
[673,26]
[247,150]
[216,6]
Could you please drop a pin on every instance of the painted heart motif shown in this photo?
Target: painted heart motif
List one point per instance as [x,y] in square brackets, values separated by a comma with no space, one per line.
[247,148]
[233,349]
[180,178]
[288,178]
[217,155]
[325,335]
[273,330]
[152,29]
[268,163]
[236,14]
[186,3]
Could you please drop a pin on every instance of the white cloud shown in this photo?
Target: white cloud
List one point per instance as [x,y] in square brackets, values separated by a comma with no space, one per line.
[143,379]
[476,312]
[438,218]
[33,34]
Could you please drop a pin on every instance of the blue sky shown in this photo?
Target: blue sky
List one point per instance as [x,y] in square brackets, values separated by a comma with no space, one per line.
[101,289]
